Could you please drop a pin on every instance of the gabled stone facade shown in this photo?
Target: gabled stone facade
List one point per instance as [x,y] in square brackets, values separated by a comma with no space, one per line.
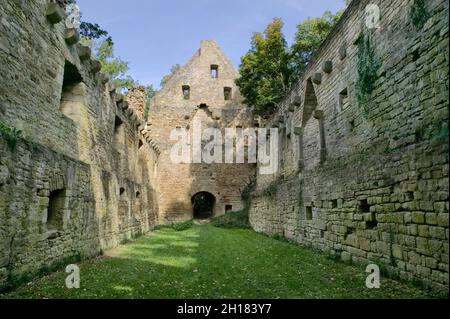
[202,90]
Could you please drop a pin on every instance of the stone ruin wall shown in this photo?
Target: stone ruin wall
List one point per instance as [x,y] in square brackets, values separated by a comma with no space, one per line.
[368,187]
[178,183]
[81,176]
[365,187]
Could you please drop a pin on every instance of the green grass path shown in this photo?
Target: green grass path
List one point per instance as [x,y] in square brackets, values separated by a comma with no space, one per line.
[210,262]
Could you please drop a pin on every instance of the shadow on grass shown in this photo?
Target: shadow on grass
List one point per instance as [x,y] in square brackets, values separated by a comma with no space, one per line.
[209,262]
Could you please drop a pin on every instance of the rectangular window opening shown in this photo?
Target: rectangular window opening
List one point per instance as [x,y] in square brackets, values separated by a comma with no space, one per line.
[343,99]
[214,71]
[364,206]
[55,211]
[186,92]
[227,93]
[308,213]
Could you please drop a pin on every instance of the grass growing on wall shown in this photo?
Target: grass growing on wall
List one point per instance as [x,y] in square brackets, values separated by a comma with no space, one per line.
[367,65]
[209,262]
[11,135]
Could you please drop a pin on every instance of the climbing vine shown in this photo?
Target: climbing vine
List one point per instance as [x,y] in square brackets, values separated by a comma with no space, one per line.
[419,13]
[367,65]
[11,135]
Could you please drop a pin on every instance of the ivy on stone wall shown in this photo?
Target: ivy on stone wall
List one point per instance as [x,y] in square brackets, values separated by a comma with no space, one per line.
[10,134]
[419,13]
[367,65]
[434,131]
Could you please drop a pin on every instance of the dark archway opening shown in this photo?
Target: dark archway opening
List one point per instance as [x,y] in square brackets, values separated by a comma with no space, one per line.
[203,205]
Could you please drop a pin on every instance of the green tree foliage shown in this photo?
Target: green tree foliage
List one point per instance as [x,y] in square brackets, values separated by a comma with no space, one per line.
[270,68]
[11,135]
[266,70]
[175,68]
[112,66]
[310,35]
[93,31]
[102,45]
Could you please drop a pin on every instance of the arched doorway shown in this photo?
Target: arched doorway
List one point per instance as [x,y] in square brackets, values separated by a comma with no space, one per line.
[203,205]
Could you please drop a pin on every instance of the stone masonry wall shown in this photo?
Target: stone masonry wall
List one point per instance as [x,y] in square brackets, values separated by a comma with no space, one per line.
[368,181]
[81,178]
[178,183]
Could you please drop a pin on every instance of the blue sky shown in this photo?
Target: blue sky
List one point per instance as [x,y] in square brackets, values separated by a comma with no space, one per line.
[153,35]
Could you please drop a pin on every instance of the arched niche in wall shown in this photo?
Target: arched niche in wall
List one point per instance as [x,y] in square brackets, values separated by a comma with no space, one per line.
[119,134]
[73,93]
[312,150]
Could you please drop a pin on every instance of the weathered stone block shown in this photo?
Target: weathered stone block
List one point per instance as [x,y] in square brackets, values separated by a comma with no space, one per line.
[345,256]
[119,97]
[424,231]
[418,217]
[96,66]
[431,219]
[55,13]
[397,251]
[71,36]
[442,219]
[104,78]
[317,78]
[84,52]
[318,114]
[297,100]
[327,66]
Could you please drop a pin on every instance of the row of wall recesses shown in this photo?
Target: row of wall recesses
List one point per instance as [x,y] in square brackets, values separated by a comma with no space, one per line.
[58,203]
[363,208]
[227,92]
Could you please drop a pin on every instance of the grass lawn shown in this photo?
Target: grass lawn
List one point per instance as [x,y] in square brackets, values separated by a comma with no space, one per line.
[209,262]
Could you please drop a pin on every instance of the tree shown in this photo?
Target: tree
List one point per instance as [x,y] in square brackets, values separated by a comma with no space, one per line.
[175,68]
[112,66]
[102,44]
[270,68]
[266,72]
[310,35]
